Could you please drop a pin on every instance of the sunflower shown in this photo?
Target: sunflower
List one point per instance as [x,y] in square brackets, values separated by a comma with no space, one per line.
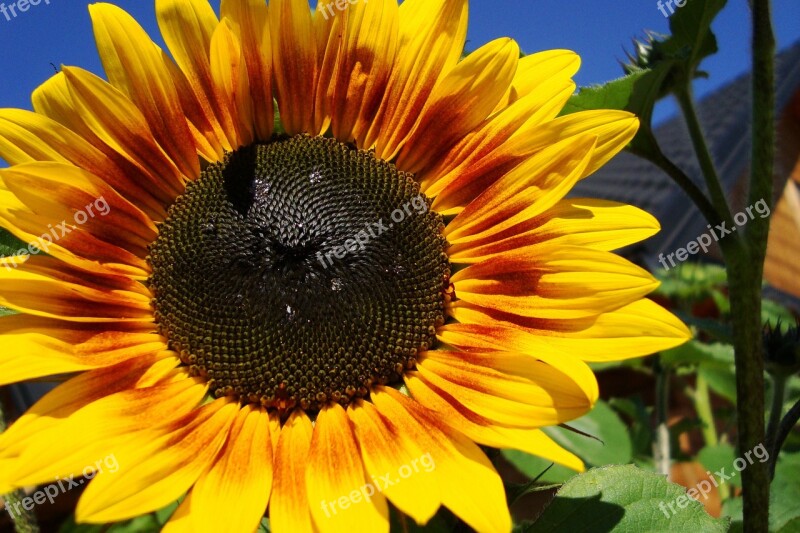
[315,320]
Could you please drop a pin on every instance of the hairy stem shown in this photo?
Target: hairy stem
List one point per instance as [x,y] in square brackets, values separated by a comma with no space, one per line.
[713,182]
[684,182]
[745,272]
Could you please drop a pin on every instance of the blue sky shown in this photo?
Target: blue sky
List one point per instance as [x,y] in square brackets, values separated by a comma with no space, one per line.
[60,33]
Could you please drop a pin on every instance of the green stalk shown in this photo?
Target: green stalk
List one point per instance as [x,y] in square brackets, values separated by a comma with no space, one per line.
[713,182]
[776,409]
[746,270]
[702,404]
[784,428]
[744,254]
[744,274]
[684,182]
[24,521]
[662,453]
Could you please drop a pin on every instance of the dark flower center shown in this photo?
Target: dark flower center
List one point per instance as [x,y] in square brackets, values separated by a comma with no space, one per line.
[300,272]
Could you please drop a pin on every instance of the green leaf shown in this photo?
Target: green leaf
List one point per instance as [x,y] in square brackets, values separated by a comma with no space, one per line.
[661,66]
[613,447]
[163,515]
[533,467]
[691,281]
[721,332]
[614,94]
[614,444]
[784,513]
[733,509]
[692,39]
[714,458]
[624,499]
[721,380]
[8,246]
[8,243]
[773,312]
[641,428]
[696,353]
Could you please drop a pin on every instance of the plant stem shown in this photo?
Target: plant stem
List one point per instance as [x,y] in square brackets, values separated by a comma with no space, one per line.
[776,410]
[684,182]
[784,428]
[661,447]
[713,183]
[702,404]
[24,521]
[745,272]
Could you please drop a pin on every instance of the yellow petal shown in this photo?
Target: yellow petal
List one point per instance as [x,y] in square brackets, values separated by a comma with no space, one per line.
[155,468]
[597,224]
[637,329]
[67,398]
[468,483]
[340,496]
[250,19]
[614,130]
[525,192]
[484,155]
[233,494]
[35,138]
[289,506]
[295,63]
[46,287]
[533,394]
[36,347]
[461,101]
[135,66]
[60,190]
[100,427]
[229,72]
[388,457]
[116,121]
[486,432]
[187,27]
[431,39]
[550,282]
[536,70]
[366,45]
[74,246]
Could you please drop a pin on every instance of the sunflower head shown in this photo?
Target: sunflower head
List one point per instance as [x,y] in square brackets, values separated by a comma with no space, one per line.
[268,283]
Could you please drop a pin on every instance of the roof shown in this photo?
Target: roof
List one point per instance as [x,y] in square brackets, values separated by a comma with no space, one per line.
[725,117]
